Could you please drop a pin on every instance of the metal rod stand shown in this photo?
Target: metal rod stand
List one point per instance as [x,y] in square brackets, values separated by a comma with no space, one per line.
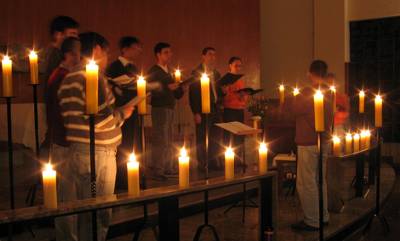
[93,171]
[320,189]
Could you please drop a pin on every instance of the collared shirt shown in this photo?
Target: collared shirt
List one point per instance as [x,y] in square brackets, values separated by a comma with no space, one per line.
[165,68]
[124,61]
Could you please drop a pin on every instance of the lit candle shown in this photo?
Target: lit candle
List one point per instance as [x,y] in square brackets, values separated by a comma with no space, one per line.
[183,169]
[362,139]
[49,187]
[33,62]
[262,158]
[319,111]
[229,163]
[92,84]
[333,90]
[349,143]
[141,92]
[336,146]
[296,91]
[378,111]
[356,142]
[361,101]
[178,75]
[367,139]
[281,94]
[133,176]
[205,93]
[6,64]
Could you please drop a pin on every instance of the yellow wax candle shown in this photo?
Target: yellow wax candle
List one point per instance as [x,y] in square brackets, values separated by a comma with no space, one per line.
[92,85]
[296,91]
[356,142]
[362,139]
[319,111]
[205,93]
[133,176]
[333,90]
[361,101]
[349,143]
[183,169]
[229,163]
[262,158]
[367,139]
[178,75]
[281,94]
[49,187]
[378,111]
[336,146]
[141,92]
[6,65]
[33,63]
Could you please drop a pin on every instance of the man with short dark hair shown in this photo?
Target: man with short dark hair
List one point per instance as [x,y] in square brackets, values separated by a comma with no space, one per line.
[207,66]
[108,121]
[163,102]
[122,74]
[307,149]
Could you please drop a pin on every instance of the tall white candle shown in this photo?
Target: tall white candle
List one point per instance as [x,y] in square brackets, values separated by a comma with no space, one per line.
[183,169]
[133,176]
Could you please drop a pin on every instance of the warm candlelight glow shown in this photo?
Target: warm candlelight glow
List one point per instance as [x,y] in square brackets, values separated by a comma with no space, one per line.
[281,94]
[49,186]
[33,62]
[92,84]
[378,111]
[178,75]
[319,111]
[336,145]
[361,101]
[356,142]
[133,175]
[263,158]
[332,88]
[349,143]
[205,93]
[229,163]
[6,64]
[183,168]
[141,92]
[296,91]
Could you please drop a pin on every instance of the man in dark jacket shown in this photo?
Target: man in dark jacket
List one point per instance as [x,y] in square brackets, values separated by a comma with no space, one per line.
[163,101]
[122,75]
[207,66]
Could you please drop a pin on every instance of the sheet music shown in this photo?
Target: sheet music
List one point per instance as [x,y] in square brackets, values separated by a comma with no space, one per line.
[238,128]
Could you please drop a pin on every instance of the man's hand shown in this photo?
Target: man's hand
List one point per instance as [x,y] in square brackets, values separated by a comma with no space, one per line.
[127,111]
[173,86]
[197,118]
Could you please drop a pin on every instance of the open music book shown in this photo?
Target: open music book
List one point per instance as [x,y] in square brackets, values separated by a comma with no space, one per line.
[238,128]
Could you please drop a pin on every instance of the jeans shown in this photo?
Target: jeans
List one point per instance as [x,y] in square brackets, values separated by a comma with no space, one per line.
[77,171]
[307,183]
[162,140]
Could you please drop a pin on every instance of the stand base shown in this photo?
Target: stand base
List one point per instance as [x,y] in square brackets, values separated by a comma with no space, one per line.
[381,219]
[200,229]
[244,203]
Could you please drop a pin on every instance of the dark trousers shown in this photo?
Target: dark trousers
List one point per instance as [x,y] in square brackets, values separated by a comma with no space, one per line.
[214,145]
[131,141]
[235,141]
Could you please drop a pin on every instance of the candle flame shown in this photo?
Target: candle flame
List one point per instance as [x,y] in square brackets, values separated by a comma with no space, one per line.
[6,58]
[281,87]
[33,54]
[367,133]
[183,152]
[296,91]
[318,94]
[48,167]
[263,147]
[362,93]
[349,136]
[332,88]
[204,76]
[356,136]
[92,62]
[378,98]
[132,157]
[336,139]
[229,151]
[177,72]
[141,78]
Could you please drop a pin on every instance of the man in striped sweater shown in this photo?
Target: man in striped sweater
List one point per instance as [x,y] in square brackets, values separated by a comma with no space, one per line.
[108,121]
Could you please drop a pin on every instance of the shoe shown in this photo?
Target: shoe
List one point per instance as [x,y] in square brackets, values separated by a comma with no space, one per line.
[302,226]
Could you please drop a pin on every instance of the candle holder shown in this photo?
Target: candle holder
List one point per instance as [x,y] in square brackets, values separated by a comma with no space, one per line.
[377,213]
[10,151]
[320,188]
[207,129]
[93,171]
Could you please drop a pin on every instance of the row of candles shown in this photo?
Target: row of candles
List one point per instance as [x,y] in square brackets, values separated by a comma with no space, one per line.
[353,142]
[49,175]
